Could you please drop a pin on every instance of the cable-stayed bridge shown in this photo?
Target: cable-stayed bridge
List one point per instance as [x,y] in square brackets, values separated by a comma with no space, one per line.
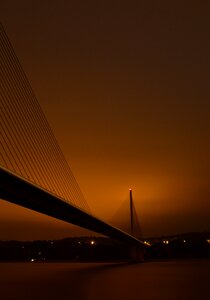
[33,170]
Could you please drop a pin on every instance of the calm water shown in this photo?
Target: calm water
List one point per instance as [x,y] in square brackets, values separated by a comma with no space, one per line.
[151,280]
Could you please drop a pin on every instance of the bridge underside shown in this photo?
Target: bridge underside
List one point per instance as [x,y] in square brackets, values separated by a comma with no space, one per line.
[19,191]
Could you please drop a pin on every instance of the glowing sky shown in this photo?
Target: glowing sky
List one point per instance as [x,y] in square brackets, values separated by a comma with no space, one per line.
[125,87]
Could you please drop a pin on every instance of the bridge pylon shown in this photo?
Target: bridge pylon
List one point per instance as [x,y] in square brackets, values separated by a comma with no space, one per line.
[136,254]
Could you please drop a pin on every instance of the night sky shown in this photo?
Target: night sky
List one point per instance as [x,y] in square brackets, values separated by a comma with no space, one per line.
[125,87]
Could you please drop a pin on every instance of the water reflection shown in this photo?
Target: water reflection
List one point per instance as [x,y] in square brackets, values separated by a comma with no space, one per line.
[154,280]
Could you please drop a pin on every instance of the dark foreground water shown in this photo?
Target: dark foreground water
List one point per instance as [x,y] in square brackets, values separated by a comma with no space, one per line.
[96,281]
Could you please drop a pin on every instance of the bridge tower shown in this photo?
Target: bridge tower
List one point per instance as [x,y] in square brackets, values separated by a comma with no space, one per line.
[131,210]
[136,253]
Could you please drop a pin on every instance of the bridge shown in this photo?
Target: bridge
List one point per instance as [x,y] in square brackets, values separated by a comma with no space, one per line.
[33,170]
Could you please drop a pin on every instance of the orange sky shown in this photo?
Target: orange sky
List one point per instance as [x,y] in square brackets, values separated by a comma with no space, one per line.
[125,87]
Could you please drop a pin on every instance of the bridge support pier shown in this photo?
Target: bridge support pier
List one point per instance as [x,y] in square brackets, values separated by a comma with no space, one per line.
[136,254]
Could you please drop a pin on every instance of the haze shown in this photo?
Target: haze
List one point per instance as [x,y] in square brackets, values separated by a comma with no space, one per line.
[125,87]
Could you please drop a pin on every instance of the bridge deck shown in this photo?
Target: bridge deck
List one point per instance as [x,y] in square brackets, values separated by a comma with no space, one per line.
[19,191]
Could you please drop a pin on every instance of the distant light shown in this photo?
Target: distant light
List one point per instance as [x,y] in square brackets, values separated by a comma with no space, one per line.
[32,260]
[208,241]
[166,242]
[92,242]
[147,243]
[184,241]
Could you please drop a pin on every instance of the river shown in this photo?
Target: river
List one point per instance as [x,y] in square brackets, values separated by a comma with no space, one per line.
[165,280]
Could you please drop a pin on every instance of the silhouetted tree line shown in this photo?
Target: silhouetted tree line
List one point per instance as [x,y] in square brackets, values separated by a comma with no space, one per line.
[193,245]
[70,249]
